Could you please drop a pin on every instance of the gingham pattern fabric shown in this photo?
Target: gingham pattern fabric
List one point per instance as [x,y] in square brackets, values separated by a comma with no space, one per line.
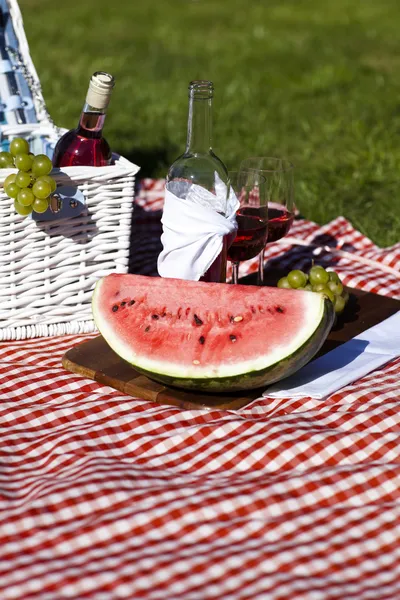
[104,496]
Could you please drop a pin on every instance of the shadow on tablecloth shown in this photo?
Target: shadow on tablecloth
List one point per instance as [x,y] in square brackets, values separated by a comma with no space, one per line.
[145,241]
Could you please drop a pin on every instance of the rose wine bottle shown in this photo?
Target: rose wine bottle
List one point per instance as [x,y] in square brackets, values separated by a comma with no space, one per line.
[85,146]
[199,165]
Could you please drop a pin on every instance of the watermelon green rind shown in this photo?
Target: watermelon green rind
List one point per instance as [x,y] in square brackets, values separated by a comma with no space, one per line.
[269,346]
[259,378]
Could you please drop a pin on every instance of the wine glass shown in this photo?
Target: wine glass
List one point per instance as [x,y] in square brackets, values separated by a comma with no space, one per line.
[278,176]
[251,217]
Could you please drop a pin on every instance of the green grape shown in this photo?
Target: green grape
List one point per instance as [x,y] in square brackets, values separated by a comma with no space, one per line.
[19,146]
[297,279]
[22,179]
[317,275]
[41,189]
[284,283]
[23,162]
[339,304]
[308,287]
[12,190]
[6,160]
[336,287]
[327,292]
[9,179]
[40,205]
[319,287]
[50,181]
[41,165]
[333,276]
[22,210]
[25,197]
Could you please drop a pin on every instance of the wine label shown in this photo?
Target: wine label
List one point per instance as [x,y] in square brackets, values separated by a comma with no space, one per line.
[66,202]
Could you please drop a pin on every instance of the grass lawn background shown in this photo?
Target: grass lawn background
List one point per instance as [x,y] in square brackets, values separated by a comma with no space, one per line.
[311,80]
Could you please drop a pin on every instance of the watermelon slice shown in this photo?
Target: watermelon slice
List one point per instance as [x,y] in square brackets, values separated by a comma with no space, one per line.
[213,337]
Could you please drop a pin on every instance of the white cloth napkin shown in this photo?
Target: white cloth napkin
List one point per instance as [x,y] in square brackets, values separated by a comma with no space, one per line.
[193,232]
[343,365]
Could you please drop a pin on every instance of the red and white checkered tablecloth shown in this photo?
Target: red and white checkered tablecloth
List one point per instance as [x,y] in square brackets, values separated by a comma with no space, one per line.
[104,496]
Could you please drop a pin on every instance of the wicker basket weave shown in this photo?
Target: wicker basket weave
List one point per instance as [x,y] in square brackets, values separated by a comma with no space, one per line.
[48,268]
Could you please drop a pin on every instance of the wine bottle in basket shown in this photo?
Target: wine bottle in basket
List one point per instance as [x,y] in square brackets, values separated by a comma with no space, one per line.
[85,146]
[198,174]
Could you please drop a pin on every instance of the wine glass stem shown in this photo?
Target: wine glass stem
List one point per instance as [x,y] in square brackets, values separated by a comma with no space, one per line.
[235,272]
[260,273]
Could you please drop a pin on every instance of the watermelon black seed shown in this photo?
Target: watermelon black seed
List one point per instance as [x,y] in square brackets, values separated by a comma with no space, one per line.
[155,317]
[202,339]
[279,309]
[123,303]
[115,308]
[131,302]
[231,318]
[232,338]
[197,320]
[147,328]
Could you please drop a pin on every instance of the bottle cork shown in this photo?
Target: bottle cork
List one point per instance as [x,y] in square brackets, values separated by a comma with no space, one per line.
[100,87]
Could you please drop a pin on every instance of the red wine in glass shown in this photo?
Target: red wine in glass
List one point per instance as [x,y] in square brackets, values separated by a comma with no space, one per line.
[279,222]
[85,145]
[277,174]
[251,235]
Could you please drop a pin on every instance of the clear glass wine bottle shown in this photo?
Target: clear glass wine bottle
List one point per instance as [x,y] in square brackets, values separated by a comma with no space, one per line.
[199,165]
[85,145]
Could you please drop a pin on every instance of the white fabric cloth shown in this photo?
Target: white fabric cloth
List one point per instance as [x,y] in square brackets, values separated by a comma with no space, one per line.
[193,232]
[343,365]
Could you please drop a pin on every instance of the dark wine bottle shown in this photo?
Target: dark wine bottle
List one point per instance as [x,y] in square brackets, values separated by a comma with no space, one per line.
[85,145]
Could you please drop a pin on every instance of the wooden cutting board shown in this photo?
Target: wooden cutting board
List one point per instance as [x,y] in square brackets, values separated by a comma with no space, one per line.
[95,359]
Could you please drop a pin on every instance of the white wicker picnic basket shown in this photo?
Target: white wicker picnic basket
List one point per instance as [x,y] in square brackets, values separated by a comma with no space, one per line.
[48,268]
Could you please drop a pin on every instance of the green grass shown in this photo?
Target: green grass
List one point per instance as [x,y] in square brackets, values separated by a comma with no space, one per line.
[314,81]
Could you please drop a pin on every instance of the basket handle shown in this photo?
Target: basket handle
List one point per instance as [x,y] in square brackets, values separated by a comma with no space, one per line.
[24,62]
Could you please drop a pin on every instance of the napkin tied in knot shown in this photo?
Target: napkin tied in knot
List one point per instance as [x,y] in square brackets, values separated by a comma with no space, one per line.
[194,228]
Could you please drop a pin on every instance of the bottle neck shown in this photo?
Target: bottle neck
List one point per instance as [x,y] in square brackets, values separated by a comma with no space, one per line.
[199,125]
[91,121]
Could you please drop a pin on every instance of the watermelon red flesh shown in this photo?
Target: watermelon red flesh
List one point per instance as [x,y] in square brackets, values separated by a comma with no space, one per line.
[197,334]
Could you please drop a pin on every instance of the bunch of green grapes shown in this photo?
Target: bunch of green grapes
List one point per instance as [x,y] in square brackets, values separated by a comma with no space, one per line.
[32,186]
[318,280]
